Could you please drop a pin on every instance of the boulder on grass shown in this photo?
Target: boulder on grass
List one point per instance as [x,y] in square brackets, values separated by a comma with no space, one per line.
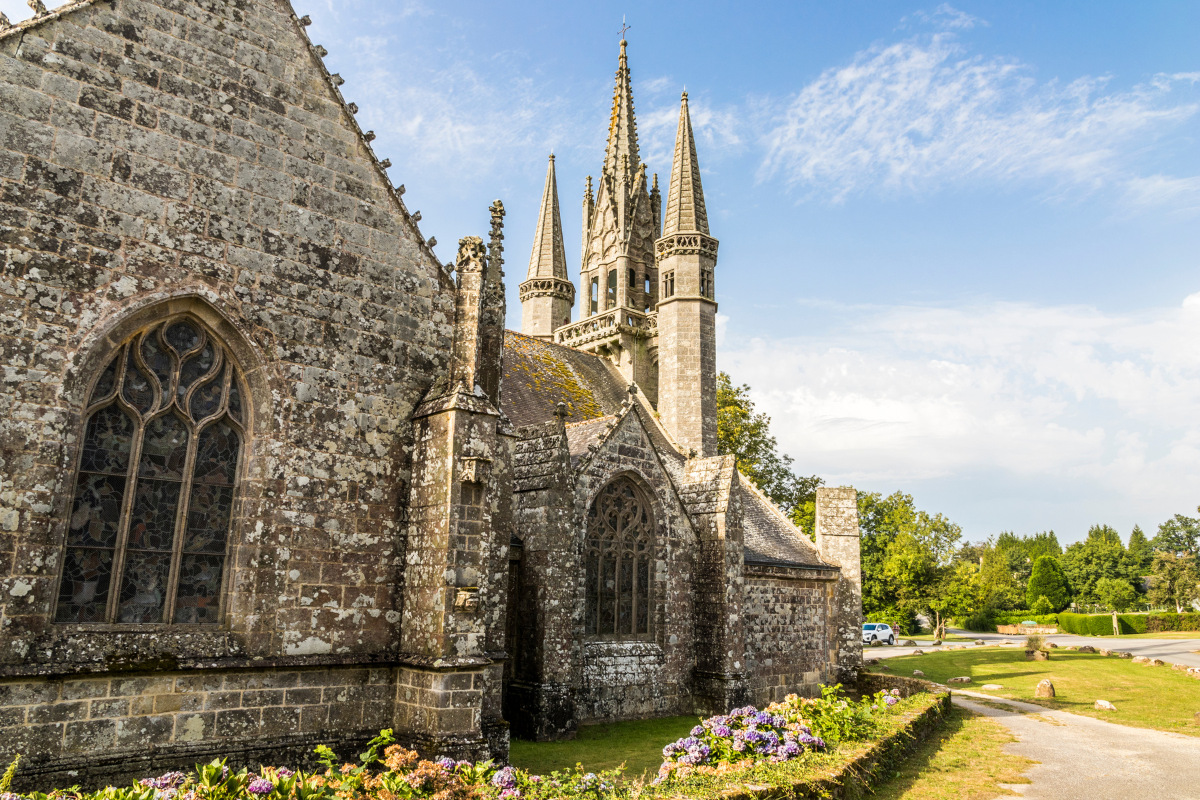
[1103,651]
[1122,654]
[918,674]
[876,643]
[1141,660]
[992,687]
[1051,644]
[1037,655]
[1157,662]
[1044,688]
[918,652]
[1179,667]
[1104,705]
[909,643]
[870,661]
[1087,648]
[980,642]
[963,679]
[936,642]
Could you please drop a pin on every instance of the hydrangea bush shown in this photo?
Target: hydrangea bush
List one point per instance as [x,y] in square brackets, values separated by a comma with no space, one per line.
[386,771]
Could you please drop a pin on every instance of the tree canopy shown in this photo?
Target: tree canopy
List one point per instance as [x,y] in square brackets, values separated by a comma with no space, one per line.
[1049,581]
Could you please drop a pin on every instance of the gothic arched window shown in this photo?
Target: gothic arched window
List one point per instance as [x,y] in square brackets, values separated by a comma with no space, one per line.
[162,441]
[618,559]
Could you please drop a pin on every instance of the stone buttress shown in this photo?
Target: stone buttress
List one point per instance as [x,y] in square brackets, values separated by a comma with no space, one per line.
[838,539]
[452,629]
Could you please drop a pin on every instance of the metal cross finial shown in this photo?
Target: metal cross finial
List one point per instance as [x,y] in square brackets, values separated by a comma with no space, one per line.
[624,27]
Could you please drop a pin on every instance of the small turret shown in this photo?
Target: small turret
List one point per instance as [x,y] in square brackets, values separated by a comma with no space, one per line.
[547,295]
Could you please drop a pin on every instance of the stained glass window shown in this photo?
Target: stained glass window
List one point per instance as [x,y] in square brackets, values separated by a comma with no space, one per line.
[154,493]
[617,563]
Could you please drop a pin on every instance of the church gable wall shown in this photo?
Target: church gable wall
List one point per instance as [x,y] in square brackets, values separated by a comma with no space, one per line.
[177,156]
[633,679]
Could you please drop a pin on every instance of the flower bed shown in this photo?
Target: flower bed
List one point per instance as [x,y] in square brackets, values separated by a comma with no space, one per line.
[799,742]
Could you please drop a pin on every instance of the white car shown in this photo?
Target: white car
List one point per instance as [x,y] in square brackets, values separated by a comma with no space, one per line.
[878,631]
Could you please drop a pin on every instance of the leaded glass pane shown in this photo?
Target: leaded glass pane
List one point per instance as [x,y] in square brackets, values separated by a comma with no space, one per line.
[592,576]
[83,593]
[625,595]
[217,455]
[152,522]
[161,363]
[107,382]
[137,390]
[164,448]
[182,336]
[643,594]
[208,518]
[199,594]
[608,591]
[144,586]
[235,400]
[96,512]
[196,368]
[207,399]
[107,442]
[617,563]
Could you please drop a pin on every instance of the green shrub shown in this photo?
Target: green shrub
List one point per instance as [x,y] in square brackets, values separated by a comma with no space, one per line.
[980,622]
[1048,580]
[1171,621]
[1101,624]
[1042,606]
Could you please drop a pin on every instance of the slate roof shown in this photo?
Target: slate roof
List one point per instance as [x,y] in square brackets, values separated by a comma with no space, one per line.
[769,537]
[582,434]
[538,375]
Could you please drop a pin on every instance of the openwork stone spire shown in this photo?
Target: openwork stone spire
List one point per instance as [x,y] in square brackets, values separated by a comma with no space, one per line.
[549,257]
[685,200]
[622,128]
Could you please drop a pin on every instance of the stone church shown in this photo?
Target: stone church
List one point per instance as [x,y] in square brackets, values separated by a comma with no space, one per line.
[271,475]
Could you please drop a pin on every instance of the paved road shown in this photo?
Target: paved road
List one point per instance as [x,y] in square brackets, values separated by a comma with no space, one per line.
[1172,651]
[1081,757]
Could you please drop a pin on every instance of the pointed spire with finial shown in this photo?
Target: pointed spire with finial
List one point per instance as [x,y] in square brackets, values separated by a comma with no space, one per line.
[685,200]
[549,257]
[622,129]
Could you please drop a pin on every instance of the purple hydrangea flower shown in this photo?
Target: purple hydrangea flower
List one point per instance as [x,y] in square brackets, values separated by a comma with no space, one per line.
[505,779]
[508,794]
[698,730]
[724,731]
[284,772]
[445,763]
[260,786]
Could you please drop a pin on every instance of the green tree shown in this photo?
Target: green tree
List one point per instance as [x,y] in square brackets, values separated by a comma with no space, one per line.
[1049,581]
[1175,580]
[1042,607]
[1141,554]
[1115,593]
[746,435]
[1101,555]
[1178,535]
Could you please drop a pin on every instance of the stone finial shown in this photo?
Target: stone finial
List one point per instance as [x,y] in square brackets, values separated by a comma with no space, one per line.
[306,20]
[320,51]
[386,163]
[39,8]
[416,217]
[4,23]
[369,136]
[353,107]
[470,253]
[400,189]
[496,245]
[632,389]
[560,410]
[432,241]
[337,79]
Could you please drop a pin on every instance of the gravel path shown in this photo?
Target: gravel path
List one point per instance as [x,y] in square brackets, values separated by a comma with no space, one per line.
[1081,757]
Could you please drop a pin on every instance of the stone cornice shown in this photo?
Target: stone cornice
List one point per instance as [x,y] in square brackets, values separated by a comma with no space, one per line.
[548,287]
[685,244]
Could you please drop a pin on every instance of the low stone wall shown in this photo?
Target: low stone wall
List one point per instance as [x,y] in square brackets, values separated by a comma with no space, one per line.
[1025,630]
[853,779]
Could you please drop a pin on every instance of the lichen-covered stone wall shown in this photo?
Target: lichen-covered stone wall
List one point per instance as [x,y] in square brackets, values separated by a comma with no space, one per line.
[788,631]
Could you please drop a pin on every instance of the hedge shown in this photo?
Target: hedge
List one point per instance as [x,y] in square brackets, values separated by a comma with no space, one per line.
[1017,617]
[1101,624]
[1174,622]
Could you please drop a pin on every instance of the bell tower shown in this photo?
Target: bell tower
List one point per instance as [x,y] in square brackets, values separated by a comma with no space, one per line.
[686,257]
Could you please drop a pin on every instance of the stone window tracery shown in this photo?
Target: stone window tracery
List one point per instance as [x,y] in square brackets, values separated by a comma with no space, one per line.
[153,498]
[618,556]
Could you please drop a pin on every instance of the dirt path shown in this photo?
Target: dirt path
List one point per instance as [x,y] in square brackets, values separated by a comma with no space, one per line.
[1081,757]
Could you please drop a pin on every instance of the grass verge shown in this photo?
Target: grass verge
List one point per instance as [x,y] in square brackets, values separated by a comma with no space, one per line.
[637,744]
[1145,697]
[965,760]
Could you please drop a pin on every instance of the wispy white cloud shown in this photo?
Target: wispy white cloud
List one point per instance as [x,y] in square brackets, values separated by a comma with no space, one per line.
[1068,393]
[923,114]
[947,17]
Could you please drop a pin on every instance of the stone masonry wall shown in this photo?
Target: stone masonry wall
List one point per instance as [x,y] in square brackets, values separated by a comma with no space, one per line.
[839,542]
[788,631]
[91,729]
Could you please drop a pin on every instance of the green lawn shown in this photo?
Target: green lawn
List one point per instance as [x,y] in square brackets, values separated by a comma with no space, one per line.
[1145,696]
[965,760]
[638,744]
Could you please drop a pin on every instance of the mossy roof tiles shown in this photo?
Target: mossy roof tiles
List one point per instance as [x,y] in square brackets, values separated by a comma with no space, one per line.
[538,375]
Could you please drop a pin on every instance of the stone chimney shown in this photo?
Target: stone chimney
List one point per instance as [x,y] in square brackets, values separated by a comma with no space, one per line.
[838,540]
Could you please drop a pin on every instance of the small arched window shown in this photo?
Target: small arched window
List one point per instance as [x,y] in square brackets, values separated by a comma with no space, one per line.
[618,558]
[161,446]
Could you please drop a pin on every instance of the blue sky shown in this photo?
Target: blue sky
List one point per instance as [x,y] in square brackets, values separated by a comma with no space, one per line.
[958,242]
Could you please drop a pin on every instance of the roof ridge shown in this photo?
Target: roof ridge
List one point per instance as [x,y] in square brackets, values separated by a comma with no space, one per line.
[48,16]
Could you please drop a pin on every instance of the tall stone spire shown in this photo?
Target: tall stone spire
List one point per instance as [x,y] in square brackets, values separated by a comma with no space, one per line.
[622,128]
[685,199]
[687,308]
[547,295]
